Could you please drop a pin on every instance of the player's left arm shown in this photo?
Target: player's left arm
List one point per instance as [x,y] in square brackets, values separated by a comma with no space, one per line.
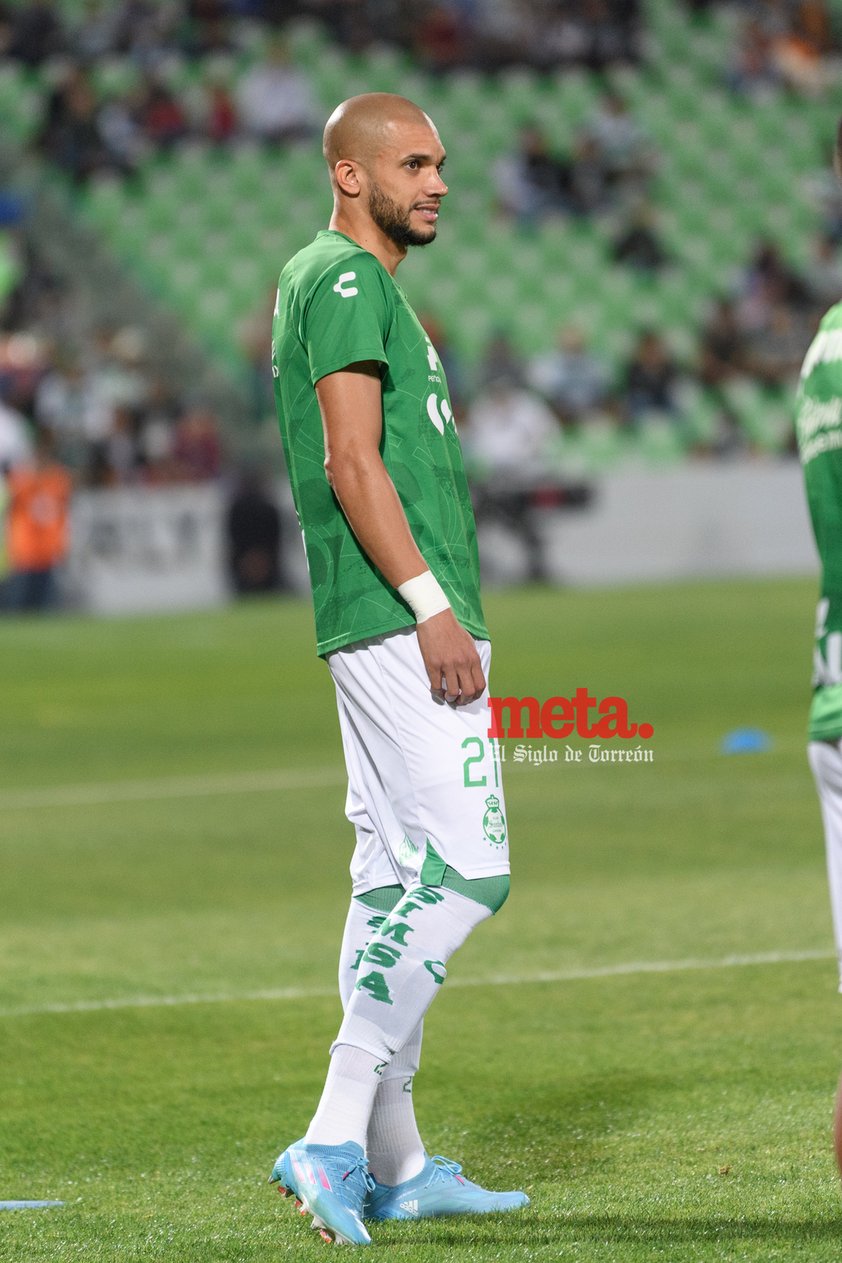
[351,406]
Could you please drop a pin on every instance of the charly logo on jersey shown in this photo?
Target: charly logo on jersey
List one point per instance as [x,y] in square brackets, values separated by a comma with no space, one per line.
[344,287]
[494,822]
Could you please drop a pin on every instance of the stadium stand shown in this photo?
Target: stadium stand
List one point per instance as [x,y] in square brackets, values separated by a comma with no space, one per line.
[203,227]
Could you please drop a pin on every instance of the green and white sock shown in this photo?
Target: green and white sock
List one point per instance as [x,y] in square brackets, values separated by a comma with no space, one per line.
[401,970]
[394,1146]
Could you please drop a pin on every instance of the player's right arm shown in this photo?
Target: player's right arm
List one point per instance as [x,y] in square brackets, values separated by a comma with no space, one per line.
[350,404]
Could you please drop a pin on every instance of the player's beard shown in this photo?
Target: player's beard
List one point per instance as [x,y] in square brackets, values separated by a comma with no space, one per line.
[391,219]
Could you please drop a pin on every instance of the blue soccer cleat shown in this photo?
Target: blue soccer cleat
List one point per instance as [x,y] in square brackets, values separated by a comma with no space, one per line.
[329,1182]
[438,1189]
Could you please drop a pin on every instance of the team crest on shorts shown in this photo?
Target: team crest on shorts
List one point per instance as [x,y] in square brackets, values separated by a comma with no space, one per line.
[494,822]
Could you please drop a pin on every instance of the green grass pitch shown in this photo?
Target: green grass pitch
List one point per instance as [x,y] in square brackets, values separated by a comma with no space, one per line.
[646,1038]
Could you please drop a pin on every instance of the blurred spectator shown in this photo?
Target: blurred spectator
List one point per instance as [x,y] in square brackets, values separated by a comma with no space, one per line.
[24,359]
[637,245]
[613,32]
[508,437]
[800,51]
[650,379]
[209,29]
[197,447]
[123,131]
[94,33]
[275,99]
[824,188]
[501,359]
[146,31]
[786,44]
[774,353]
[255,338]
[622,145]
[588,184]
[156,433]
[571,378]
[441,37]
[37,529]
[823,273]
[117,364]
[253,530]
[79,415]
[121,446]
[72,133]
[509,429]
[753,72]
[15,443]
[36,32]
[531,180]
[218,120]
[160,114]
[765,283]
[722,345]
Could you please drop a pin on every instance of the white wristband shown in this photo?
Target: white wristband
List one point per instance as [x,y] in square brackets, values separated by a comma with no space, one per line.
[424,596]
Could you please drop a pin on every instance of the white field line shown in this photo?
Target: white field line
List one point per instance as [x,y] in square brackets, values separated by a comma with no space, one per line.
[205,784]
[622,969]
[171,787]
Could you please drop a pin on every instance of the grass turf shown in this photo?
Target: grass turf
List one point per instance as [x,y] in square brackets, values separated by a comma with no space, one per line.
[676,1112]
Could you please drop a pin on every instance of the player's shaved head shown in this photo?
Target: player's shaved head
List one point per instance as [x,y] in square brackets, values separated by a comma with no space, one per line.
[361,127]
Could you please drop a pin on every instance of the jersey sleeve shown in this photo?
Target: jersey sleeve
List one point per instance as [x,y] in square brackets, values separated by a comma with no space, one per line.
[346,318]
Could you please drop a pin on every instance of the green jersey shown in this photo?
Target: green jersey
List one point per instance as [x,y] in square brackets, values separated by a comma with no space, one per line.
[337,305]
[819,431]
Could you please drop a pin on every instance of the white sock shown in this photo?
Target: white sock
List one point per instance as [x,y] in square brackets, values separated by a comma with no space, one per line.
[347,1099]
[394,1146]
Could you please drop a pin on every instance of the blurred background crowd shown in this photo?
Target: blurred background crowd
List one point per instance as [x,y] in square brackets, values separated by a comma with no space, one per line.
[645,231]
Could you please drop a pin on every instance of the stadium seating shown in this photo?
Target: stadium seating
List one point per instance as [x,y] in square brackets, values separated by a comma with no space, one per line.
[208,232]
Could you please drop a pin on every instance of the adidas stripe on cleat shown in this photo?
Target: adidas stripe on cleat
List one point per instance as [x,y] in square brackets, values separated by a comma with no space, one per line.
[439,1189]
[329,1182]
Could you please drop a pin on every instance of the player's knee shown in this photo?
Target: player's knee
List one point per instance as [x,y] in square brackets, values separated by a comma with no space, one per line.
[490,892]
[500,892]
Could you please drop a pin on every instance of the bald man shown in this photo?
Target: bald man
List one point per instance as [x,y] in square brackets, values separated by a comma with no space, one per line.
[376,471]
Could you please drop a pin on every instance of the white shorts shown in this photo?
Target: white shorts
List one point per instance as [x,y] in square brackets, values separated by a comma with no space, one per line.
[424,779]
[826,761]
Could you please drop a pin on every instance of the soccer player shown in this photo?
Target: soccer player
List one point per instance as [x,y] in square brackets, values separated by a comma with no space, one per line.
[819,432]
[376,471]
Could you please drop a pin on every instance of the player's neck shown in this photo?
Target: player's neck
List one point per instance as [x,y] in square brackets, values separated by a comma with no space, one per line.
[371,238]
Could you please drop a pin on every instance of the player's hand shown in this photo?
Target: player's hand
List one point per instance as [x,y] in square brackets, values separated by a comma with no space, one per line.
[451,659]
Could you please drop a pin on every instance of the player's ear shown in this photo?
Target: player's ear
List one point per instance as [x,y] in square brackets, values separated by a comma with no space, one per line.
[347,177]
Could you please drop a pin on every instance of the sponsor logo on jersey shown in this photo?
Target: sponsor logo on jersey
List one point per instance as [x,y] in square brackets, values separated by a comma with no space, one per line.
[432,358]
[439,412]
[344,287]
